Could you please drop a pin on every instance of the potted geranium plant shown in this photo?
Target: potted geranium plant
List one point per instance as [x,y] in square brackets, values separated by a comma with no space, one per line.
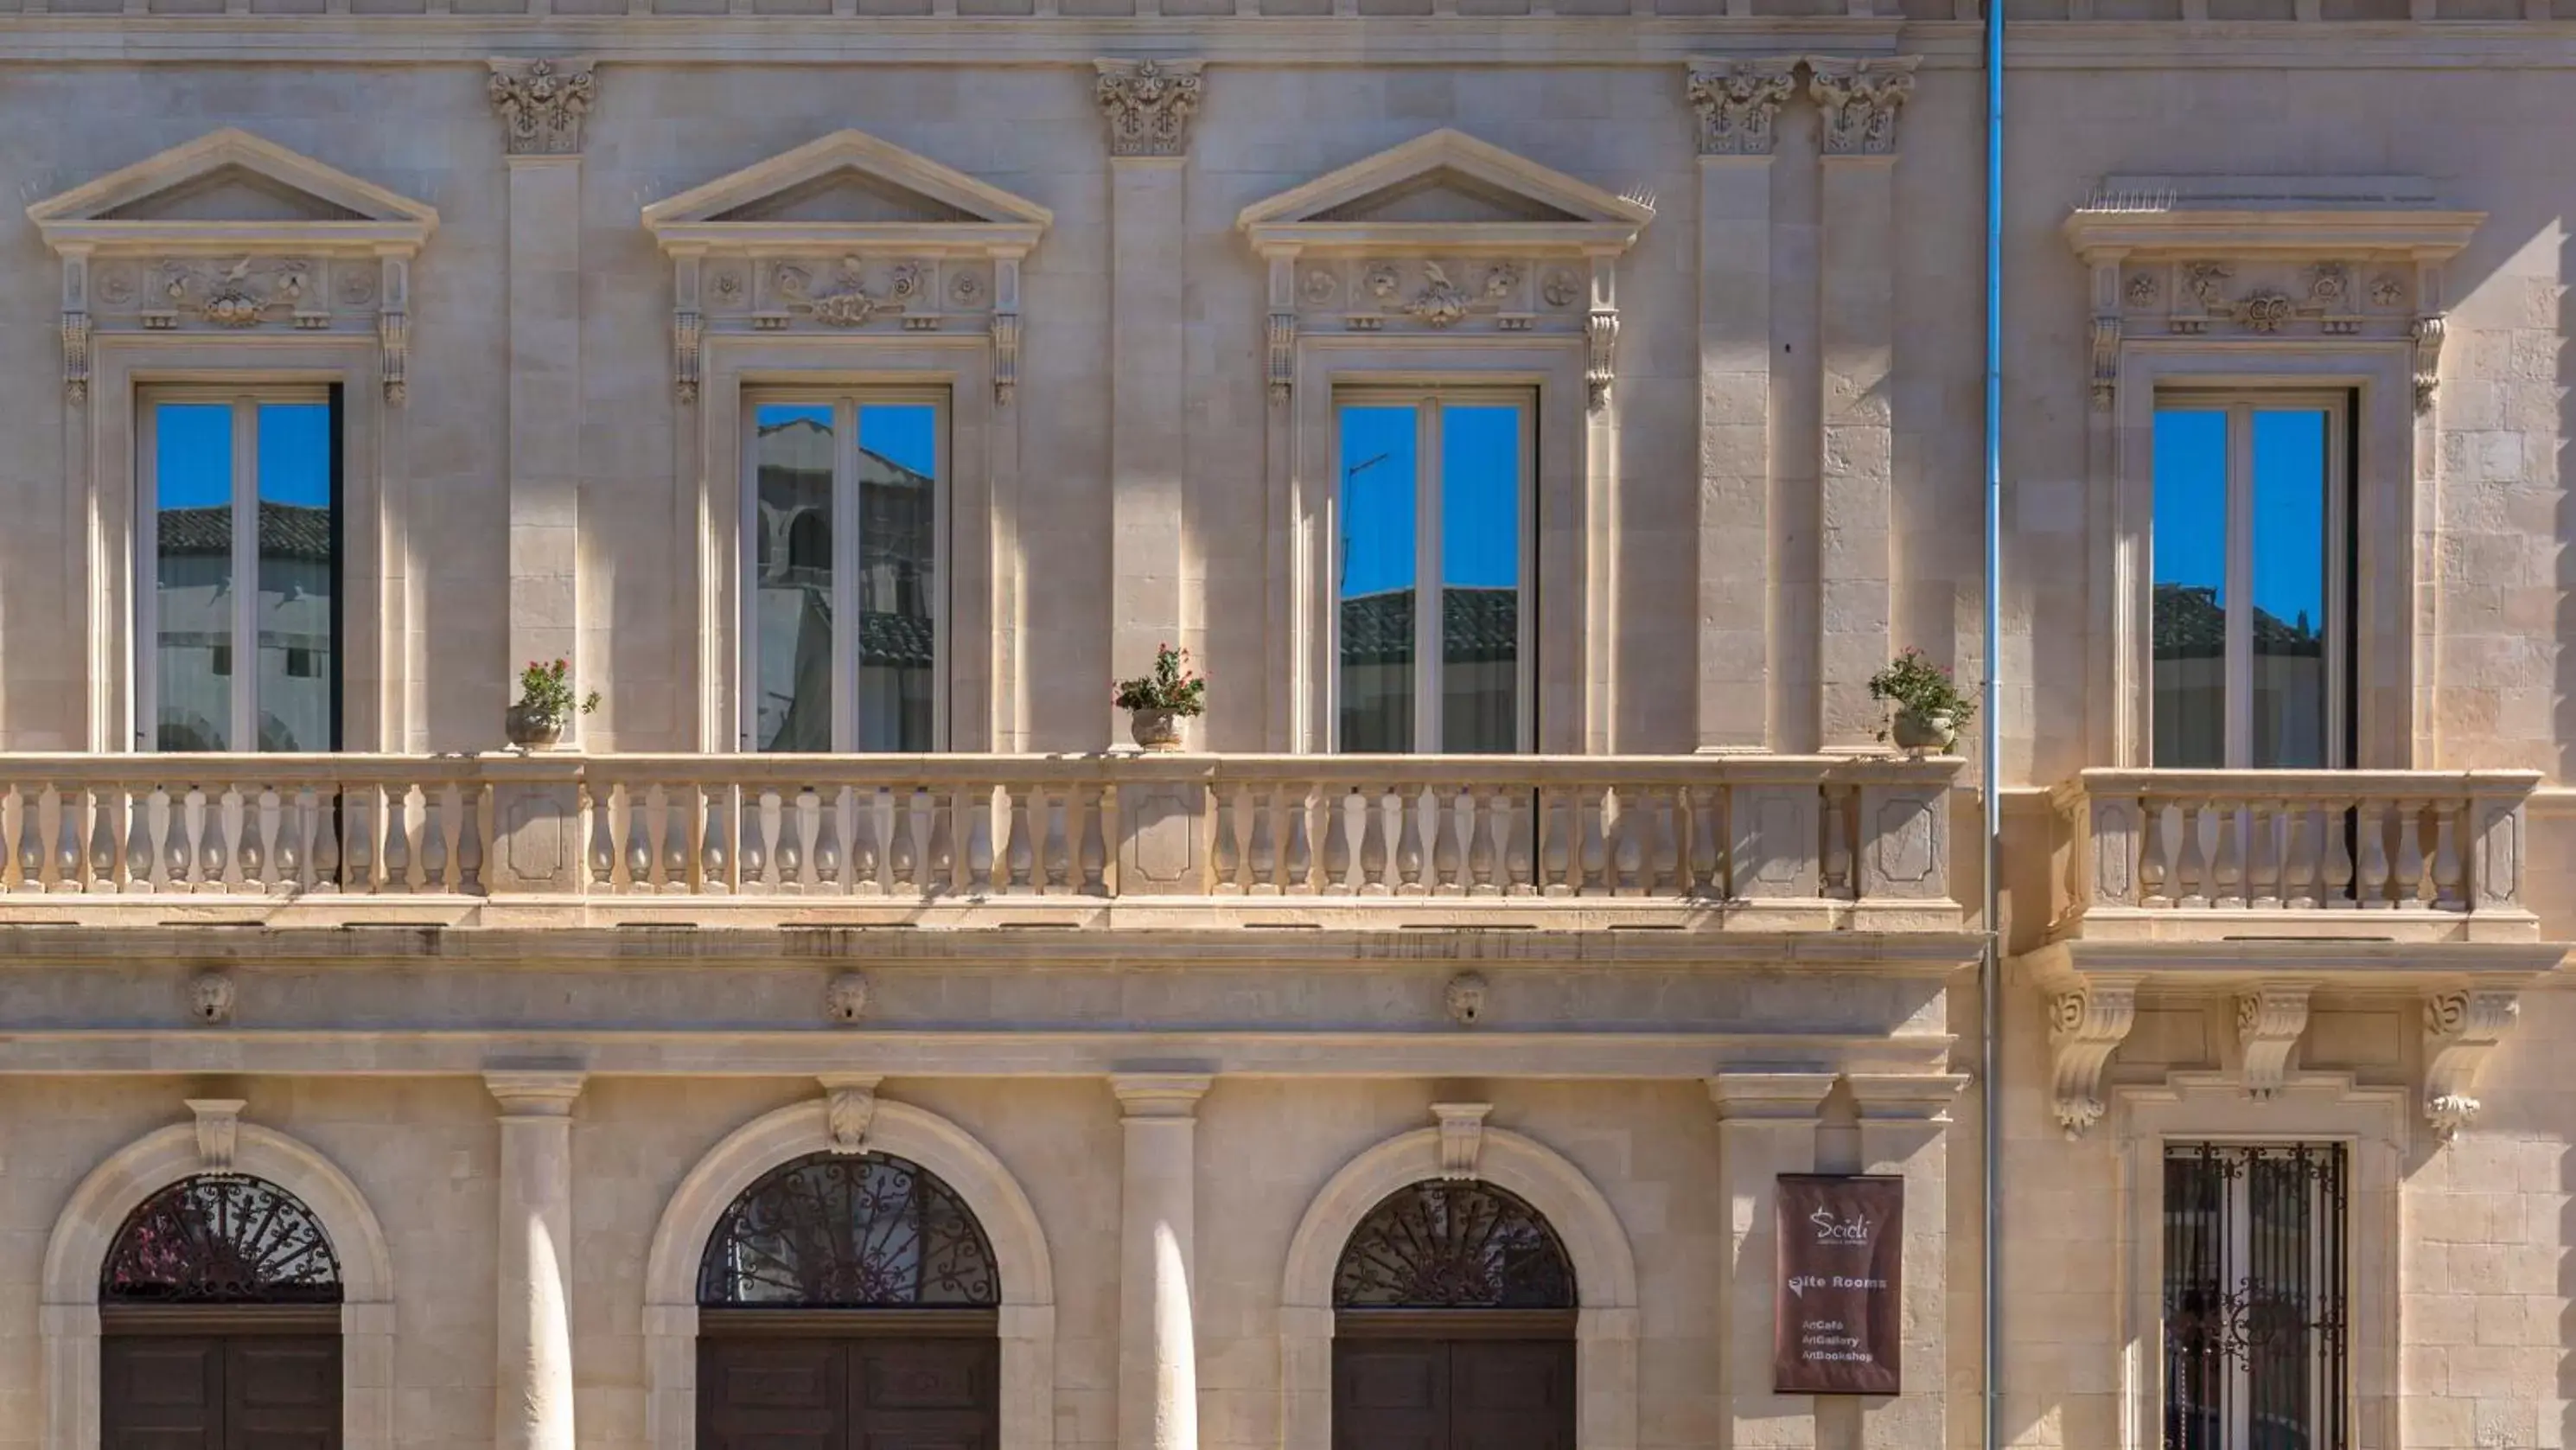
[1157,703]
[545,706]
[1927,704]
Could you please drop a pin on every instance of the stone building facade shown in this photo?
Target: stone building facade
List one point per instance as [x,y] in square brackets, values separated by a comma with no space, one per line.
[1414,1058]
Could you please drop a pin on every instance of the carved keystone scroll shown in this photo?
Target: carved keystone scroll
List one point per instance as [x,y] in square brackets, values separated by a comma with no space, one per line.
[1462,1136]
[849,1106]
[218,1130]
[2086,1024]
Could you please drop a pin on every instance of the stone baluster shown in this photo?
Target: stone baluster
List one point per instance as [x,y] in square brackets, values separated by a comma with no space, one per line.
[2226,860]
[101,856]
[942,867]
[715,872]
[214,847]
[140,856]
[2374,855]
[2408,868]
[329,804]
[435,828]
[601,852]
[359,805]
[249,838]
[2336,826]
[1021,861]
[1626,832]
[1671,828]
[828,858]
[1556,849]
[1300,861]
[2262,856]
[867,852]
[295,839]
[2298,854]
[755,840]
[2191,874]
[980,817]
[1520,831]
[639,838]
[469,837]
[1409,851]
[1448,852]
[788,854]
[2450,890]
[1265,840]
[67,847]
[674,863]
[1095,839]
[1373,845]
[1595,864]
[903,847]
[1229,848]
[1487,826]
[178,853]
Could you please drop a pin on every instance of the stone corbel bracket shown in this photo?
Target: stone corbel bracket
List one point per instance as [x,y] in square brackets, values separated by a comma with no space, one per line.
[2462,1025]
[2087,1021]
[849,1107]
[958,260]
[2269,1022]
[2288,261]
[1340,258]
[218,1132]
[132,263]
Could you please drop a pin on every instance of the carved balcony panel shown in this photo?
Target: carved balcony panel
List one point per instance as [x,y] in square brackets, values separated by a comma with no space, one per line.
[2192,855]
[1759,843]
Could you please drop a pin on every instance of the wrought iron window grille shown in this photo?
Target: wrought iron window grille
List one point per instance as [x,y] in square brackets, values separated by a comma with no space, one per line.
[220,1238]
[2255,1297]
[830,1231]
[1453,1245]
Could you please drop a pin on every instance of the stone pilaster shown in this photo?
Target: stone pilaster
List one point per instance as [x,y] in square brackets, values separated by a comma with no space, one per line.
[1904,1130]
[1766,1126]
[542,105]
[1149,106]
[532,1388]
[1858,102]
[1737,103]
[1158,1226]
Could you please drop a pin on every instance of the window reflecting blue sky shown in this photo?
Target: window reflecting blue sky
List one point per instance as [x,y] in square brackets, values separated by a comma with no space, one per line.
[902,434]
[2289,505]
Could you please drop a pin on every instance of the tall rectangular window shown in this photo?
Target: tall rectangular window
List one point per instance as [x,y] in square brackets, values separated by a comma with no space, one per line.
[1432,570]
[2255,1289]
[239,555]
[2251,582]
[847,528]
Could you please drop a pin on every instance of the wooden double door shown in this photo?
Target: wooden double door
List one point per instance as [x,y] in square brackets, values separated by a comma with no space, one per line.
[1482,1385]
[243,1380]
[848,1380]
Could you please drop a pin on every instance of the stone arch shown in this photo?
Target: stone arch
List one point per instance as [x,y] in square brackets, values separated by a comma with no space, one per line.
[956,1156]
[1605,1272]
[98,1208]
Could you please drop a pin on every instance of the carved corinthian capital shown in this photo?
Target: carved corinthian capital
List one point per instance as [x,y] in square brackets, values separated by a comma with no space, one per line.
[2086,1024]
[2269,1021]
[1737,101]
[1149,104]
[1857,101]
[542,103]
[2460,1029]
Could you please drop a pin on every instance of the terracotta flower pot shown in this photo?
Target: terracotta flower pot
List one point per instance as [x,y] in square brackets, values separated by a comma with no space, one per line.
[1155,729]
[531,731]
[1915,730]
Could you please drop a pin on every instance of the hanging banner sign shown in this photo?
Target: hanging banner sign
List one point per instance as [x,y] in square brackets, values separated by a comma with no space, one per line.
[1839,1299]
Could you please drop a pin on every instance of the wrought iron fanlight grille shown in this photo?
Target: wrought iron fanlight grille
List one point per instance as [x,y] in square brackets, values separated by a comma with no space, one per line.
[220,1238]
[1453,1245]
[833,1231]
[2255,1284]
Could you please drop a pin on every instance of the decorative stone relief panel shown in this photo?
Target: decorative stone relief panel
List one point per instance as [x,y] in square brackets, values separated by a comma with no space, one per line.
[1859,101]
[1149,104]
[1737,102]
[542,104]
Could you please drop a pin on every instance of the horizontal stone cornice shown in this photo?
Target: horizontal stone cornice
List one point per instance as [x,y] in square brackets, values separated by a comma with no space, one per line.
[2354,963]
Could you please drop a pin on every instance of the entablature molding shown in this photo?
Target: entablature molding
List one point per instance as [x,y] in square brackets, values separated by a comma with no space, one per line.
[1445,234]
[2270,258]
[2469,995]
[846,234]
[233,234]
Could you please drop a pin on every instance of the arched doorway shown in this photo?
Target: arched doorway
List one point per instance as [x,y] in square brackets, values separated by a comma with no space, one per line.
[1453,1325]
[219,1322]
[848,1301]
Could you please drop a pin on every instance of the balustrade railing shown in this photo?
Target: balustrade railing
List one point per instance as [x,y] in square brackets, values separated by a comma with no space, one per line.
[927,828]
[2261,840]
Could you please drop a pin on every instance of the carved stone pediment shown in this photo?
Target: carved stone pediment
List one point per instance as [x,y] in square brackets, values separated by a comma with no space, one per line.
[232,233]
[1445,234]
[843,234]
[2269,258]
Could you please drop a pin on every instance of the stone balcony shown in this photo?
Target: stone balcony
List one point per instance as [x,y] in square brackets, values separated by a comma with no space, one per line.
[1742,844]
[2261,889]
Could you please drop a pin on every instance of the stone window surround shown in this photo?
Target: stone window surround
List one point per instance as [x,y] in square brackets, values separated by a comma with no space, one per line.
[850,1118]
[1571,498]
[2308,1107]
[981,529]
[68,1320]
[103,498]
[1463,1146]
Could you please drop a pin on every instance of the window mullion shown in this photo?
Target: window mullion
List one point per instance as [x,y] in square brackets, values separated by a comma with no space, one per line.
[845,574]
[1427,597]
[245,622]
[2240,587]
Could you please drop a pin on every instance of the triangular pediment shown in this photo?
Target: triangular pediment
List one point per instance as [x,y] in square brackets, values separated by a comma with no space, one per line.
[231,189]
[1445,189]
[847,189]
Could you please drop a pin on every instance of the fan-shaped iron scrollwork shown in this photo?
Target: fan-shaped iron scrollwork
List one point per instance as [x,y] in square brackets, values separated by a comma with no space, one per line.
[221,1238]
[1453,1245]
[837,1232]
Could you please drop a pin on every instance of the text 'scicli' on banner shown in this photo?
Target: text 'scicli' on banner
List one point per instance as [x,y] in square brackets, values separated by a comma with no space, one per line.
[1838,1301]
